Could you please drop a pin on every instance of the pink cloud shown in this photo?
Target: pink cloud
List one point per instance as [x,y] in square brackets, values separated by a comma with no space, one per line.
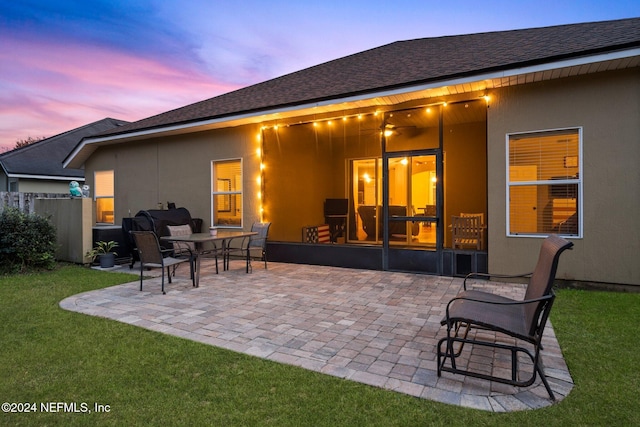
[46,89]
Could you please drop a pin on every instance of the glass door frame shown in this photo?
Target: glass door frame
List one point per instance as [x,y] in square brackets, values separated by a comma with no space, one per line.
[437,220]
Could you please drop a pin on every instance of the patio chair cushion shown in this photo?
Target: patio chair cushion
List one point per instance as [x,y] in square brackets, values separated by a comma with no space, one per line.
[182,248]
[509,319]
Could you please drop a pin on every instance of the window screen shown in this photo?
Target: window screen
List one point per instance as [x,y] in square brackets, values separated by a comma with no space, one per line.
[544,182]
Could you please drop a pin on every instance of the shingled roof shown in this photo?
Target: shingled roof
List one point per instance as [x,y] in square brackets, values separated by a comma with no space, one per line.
[44,158]
[408,63]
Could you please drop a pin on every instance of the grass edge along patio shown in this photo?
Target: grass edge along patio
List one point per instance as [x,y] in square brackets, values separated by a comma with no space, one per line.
[149,377]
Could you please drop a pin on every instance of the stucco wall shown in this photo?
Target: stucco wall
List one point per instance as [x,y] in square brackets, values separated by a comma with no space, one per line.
[607,107]
[178,169]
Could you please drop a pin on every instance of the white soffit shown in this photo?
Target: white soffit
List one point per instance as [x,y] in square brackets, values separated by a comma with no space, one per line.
[45,177]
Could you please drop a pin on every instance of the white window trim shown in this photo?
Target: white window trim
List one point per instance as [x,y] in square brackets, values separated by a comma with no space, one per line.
[214,192]
[519,183]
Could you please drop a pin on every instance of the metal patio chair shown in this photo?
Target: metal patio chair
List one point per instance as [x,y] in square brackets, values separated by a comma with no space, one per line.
[523,320]
[153,256]
[251,244]
[183,249]
[189,248]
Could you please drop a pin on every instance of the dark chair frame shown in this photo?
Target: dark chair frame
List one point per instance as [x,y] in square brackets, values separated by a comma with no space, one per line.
[153,256]
[182,249]
[251,243]
[524,320]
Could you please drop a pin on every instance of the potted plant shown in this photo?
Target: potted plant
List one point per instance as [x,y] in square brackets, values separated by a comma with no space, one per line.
[104,251]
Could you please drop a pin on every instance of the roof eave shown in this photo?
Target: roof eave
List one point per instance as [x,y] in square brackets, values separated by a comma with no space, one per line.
[45,177]
[83,150]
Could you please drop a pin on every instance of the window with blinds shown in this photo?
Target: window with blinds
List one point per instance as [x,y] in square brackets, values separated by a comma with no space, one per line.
[104,196]
[544,182]
[226,193]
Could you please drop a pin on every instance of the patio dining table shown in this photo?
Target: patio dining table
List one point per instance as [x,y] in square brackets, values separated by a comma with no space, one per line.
[199,239]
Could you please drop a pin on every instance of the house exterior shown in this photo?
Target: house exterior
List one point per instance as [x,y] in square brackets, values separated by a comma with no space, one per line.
[534,131]
[37,167]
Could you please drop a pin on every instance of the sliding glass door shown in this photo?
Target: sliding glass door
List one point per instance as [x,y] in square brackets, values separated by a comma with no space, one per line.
[412,199]
[366,190]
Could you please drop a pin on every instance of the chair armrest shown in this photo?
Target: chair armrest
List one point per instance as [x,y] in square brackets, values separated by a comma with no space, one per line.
[163,252]
[166,251]
[511,302]
[488,276]
[181,247]
[244,244]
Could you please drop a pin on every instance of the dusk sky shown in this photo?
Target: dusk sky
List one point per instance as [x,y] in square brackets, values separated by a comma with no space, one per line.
[64,64]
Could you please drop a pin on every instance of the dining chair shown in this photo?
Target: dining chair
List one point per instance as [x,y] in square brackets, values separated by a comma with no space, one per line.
[189,248]
[153,256]
[255,243]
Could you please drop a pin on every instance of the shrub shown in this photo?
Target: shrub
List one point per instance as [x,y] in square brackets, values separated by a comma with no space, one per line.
[27,242]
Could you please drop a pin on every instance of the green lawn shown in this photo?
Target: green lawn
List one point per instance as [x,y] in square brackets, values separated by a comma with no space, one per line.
[146,378]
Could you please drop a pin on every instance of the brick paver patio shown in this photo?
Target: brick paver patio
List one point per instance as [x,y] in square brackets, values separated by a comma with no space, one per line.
[377,328]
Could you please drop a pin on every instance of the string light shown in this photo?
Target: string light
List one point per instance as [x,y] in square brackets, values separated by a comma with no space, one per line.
[259,178]
[360,116]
